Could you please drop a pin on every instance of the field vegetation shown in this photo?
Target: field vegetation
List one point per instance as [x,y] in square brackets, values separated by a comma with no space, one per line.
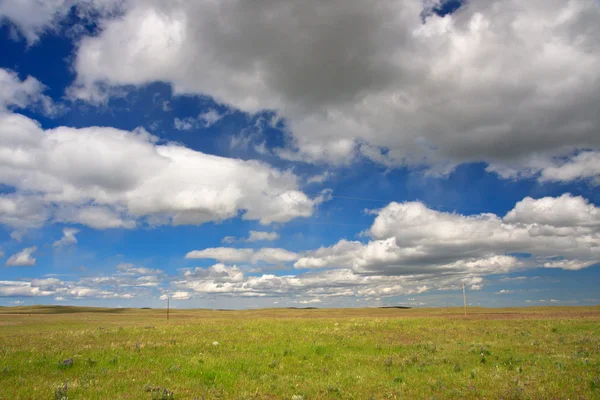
[92,353]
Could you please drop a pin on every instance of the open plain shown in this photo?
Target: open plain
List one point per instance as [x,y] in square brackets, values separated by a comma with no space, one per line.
[95,353]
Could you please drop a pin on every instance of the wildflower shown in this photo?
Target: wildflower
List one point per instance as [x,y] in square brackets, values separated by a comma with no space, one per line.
[215,343]
[66,363]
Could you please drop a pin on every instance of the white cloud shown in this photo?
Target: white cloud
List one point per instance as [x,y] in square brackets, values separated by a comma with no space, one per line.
[230,254]
[108,178]
[312,301]
[185,124]
[319,178]
[68,238]
[217,273]
[257,236]
[205,120]
[328,284]
[505,291]
[21,94]
[562,166]
[500,81]
[253,236]
[181,295]
[33,17]
[410,238]
[209,117]
[229,239]
[566,211]
[131,269]
[24,258]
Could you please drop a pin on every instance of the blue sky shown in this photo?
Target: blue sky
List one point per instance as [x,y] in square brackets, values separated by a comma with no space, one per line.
[230,155]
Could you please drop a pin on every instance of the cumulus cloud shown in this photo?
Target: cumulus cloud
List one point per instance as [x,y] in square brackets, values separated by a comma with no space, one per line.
[34,17]
[230,254]
[314,285]
[20,94]
[117,286]
[409,238]
[258,236]
[131,269]
[180,295]
[217,273]
[108,178]
[565,166]
[68,238]
[24,258]
[500,81]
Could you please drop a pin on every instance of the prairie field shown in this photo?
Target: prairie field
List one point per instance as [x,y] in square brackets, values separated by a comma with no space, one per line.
[95,353]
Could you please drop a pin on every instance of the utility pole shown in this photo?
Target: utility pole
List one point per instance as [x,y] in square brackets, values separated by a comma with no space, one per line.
[168,304]
[464,298]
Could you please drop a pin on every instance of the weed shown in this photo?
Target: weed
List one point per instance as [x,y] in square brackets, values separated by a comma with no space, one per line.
[161,394]
[68,363]
[60,393]
[388,362]
[174,368]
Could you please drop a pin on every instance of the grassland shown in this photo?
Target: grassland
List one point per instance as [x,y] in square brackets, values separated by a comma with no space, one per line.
[85,353]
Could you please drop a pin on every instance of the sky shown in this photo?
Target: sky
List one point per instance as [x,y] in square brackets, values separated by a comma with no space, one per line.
[236,154]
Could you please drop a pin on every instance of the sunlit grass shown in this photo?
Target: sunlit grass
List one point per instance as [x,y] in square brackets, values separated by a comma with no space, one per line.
[300,354]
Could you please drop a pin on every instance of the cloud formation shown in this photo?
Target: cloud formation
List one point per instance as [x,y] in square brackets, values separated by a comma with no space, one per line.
[230,254]
[68,238]
[409,238]
[502,81]
[24,258]
[108,178]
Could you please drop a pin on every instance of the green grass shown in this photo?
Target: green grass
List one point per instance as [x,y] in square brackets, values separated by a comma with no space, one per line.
[541,353]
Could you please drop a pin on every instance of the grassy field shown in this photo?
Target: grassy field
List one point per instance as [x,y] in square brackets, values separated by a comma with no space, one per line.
[85,353]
